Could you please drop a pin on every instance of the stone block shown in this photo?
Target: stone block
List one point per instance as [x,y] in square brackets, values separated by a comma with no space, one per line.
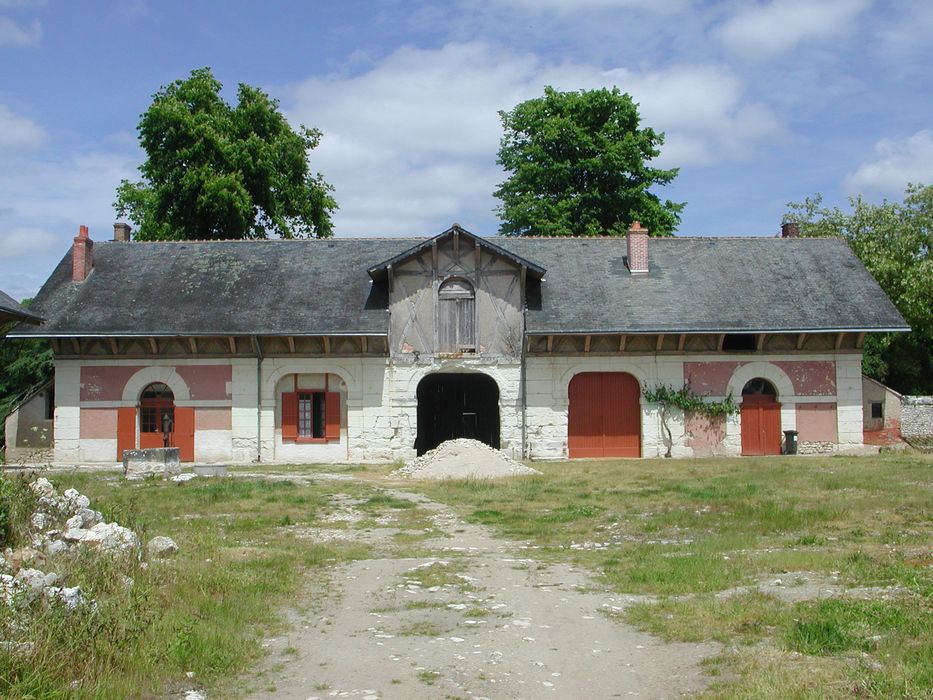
[158,461]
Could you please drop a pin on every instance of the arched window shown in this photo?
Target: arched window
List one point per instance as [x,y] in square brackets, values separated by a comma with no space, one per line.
[456,319]
[758,387]
[157,409]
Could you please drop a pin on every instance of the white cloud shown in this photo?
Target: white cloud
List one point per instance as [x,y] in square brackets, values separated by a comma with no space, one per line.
[17,131]
[412,143]
[13,34]
[20,242]
[776,27]
[897,163]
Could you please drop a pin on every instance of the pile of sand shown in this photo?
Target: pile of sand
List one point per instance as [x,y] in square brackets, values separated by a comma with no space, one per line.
[463,459]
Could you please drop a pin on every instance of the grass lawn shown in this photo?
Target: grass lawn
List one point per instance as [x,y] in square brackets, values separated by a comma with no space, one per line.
[203,612]
[815,573]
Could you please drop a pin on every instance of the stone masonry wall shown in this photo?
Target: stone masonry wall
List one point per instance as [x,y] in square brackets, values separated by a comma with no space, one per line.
[917,416]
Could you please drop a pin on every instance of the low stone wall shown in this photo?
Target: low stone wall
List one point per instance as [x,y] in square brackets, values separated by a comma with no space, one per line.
[917,416]
[815,448]
[161,461]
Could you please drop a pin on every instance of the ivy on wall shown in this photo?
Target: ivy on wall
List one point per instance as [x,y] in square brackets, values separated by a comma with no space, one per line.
[686,400]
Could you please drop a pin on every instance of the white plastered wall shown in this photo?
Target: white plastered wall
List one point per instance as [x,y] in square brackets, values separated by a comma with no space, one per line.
[849,401]
[67,411]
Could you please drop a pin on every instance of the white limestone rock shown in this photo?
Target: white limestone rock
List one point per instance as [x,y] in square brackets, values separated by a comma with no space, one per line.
[75,501]
[37,580]
[71,598]
[55,547]
[43,487]
[74,535]
[39,521]
[161,546]
[111,538]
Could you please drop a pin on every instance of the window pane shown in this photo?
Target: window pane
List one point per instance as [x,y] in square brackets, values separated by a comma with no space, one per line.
[148,421]
[304,415]
[319,415]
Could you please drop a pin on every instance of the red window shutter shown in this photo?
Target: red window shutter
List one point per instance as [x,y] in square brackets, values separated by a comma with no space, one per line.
[126,430]
[184,433]
[290,416]
[332,415]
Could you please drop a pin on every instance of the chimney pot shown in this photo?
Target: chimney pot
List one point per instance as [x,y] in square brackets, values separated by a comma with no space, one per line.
[81,255]
[790,230]
[122,232]
[637,244]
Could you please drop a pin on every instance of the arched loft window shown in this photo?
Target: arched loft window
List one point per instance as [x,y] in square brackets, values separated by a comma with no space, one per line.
[758,387]
[456,316]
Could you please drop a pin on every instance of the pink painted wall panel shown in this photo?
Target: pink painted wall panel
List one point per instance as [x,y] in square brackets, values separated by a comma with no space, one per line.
[105,383]
[704,434]
[207,382]
[213,419]
[816,422]
[710,378]
[811,378]
[99,423]
[808,377]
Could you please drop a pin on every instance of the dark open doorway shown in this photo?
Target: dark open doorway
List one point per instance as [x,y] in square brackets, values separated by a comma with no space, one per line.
[457,406]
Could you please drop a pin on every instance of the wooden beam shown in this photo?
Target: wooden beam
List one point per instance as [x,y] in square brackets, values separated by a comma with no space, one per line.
[550,343]
[839,339]
[193,344]
[457,246]
[681,342]
[586,344]
[722,339]
[326,345]
[801,339]
[860,340]
[390,277]
[154,346]
[479,255]
[76,346]
[761,341]
[363,344]
[232,341]
[291,344]
[113,345]
[659,343]
[622,339]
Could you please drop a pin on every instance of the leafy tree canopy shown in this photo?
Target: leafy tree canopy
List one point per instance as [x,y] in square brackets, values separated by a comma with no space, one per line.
[24,365]
[214,171]
[579,167]
[894,240]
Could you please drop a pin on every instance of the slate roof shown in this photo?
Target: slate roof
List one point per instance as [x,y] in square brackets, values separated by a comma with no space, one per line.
[12,311]
[321,287]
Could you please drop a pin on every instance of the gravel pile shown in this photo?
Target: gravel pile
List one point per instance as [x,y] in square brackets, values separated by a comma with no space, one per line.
[463,459]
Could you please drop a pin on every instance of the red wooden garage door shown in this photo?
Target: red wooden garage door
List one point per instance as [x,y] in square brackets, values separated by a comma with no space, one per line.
[605,415]
[761,425]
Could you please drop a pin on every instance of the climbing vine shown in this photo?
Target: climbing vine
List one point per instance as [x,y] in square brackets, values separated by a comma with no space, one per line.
[686,400]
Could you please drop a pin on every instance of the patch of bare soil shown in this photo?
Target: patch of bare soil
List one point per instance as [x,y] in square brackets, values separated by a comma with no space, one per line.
[471,618]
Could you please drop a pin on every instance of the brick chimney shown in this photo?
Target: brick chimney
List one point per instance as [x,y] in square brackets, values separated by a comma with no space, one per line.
[122,232]
[81,256]
[790,230]
[637,239]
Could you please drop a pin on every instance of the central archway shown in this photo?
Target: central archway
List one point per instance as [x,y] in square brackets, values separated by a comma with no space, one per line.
[456,405]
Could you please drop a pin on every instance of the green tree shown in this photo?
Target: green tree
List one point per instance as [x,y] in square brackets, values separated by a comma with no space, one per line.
[214,171]
[894,240]
[579,167]
[24,365]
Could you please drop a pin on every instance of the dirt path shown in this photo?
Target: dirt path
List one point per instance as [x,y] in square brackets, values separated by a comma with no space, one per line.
[472,618]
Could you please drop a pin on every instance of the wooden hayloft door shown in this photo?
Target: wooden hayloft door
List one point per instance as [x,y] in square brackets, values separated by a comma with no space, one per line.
[605,415]
[761,419]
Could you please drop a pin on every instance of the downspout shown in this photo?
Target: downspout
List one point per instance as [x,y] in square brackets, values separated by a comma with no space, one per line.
[258,350]
[522,380]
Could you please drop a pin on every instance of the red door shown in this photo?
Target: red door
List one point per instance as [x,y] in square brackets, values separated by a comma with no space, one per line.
[183,437]
[605,415]
[761,425]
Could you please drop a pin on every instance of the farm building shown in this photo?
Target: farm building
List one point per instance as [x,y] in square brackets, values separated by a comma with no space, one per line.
[378,349]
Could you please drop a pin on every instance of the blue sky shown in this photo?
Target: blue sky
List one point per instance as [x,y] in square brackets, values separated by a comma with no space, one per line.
[763,102]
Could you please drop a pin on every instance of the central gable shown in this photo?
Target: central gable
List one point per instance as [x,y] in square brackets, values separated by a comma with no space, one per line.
[455,294]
